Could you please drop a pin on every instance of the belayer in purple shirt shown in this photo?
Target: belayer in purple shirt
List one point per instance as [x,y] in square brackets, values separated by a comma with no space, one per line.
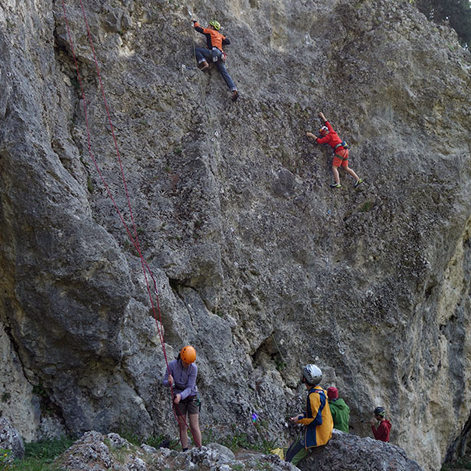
[181,376]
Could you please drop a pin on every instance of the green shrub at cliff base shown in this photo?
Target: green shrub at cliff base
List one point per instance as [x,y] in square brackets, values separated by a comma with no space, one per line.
[39,456]
[5,458]
[459,465]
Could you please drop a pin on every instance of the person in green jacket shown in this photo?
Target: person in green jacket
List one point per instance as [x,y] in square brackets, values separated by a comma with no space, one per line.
[339,410]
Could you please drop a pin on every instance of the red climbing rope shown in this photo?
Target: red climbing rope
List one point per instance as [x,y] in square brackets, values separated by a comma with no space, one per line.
[134,238]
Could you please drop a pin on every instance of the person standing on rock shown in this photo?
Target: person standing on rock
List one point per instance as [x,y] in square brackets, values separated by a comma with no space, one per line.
[329,136]
[382,431]
[339,410]
[317,419]
[214,53]
[181,376]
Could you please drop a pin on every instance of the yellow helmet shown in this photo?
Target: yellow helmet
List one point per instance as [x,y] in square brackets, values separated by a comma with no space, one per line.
[188,354]
[215,25]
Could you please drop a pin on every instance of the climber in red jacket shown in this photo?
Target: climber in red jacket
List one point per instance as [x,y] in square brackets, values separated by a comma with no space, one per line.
[384,427]
[329,136]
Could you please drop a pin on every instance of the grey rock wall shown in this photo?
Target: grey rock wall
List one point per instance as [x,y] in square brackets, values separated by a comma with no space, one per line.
[256,261]
[11,443]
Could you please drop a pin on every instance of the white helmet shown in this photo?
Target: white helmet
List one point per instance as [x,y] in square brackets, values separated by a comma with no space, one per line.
[323,131]
[312,374]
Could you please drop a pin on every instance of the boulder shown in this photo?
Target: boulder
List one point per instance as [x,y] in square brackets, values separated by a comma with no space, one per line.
[346,451]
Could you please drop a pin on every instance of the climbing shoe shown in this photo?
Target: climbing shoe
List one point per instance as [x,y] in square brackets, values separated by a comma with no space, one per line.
[335,185]
[235,95]
[357,183]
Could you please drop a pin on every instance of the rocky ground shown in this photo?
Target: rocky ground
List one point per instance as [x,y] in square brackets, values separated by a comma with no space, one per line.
[99,452]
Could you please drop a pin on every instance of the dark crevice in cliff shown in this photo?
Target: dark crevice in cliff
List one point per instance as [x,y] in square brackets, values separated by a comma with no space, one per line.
[269,350]
[460,446]
[46,405]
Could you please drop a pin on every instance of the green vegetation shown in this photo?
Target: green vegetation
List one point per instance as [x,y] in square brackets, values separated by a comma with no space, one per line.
[39,456]
[263,466]
[75,83]
[264,445]
[461,464]
[241,440]
[366,206]
[130,436]
[4,458]
[39,390]
[90,184]
[236,441]
[6,397]
[153,440]
[156,441]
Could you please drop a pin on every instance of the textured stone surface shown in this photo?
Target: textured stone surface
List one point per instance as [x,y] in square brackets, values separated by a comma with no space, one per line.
[256,261]
[102,452]
[10,439]
[346,451]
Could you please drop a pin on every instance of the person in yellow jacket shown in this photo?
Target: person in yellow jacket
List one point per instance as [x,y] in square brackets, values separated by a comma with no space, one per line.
[317,419]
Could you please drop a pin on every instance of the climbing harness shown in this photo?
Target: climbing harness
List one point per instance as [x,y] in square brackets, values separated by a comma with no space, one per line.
[218,55]
[342,144]
[157,314]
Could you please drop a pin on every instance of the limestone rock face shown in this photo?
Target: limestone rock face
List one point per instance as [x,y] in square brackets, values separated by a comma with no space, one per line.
[255,260]
[11,440]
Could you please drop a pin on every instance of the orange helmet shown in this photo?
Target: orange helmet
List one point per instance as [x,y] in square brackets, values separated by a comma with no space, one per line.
[188,354]
[323,130]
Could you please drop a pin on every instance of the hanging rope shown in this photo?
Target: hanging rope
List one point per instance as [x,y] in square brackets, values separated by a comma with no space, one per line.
[157,314]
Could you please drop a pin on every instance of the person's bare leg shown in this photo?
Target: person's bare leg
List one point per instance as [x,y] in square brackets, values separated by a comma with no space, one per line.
[352,173]
[195,429]
[183,431]
[335,172]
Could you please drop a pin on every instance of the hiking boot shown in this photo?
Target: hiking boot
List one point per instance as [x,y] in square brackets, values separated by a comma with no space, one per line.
[235,95]
[357,183]
[335,185]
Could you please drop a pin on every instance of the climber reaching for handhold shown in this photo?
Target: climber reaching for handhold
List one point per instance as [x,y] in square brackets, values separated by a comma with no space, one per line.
[214,53]
[329,136]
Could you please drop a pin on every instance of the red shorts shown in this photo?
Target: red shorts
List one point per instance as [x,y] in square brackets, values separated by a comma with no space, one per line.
[341,157]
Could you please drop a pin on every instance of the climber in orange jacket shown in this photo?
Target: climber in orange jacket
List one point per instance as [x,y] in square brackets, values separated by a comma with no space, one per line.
[214,53]
[329,136]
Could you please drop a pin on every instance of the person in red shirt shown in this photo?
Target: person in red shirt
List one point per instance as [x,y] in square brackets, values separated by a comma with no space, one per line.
[329,136]
[214,53]
[382,431]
